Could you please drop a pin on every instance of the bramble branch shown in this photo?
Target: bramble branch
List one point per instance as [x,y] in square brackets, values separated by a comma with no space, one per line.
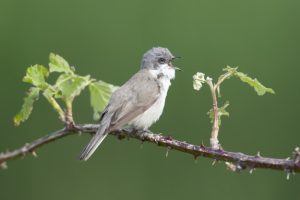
[235,160]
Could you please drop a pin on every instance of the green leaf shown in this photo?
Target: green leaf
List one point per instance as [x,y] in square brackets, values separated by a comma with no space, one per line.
[69,86]
[258,87]
[221,112]
[100,93]
[59,64]
[36,75]
[27,106]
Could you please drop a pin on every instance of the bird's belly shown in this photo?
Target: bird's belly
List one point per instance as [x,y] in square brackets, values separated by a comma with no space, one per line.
[146,119]
[152,114]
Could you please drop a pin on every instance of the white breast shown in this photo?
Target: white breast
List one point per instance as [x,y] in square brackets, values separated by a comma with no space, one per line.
[146,119]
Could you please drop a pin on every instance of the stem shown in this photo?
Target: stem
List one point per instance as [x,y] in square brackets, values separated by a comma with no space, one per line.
[56,107]
[240,160]
[223,78]
[69,121]
[214,142]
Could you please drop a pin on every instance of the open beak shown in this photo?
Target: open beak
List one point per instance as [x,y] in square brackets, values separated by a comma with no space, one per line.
[176,68]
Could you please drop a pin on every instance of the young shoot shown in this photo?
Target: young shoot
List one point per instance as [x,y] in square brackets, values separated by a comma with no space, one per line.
[216,112]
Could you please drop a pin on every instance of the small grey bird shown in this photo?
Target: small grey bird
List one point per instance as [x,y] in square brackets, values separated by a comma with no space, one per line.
[140,101]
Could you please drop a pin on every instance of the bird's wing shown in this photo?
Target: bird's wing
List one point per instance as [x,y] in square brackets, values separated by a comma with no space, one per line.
[126,103]
[133,98]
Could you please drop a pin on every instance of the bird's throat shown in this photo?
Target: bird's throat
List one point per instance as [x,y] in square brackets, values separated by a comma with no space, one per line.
[163,71]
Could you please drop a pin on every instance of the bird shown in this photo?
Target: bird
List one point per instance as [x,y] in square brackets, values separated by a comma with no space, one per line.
[140,101]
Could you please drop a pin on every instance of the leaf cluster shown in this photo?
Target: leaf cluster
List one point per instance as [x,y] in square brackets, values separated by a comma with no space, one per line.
[67,86]
[259,88]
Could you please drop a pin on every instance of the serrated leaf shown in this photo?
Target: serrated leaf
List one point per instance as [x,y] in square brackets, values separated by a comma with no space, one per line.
[36,75]
[62,80]
[69,86]
[100,93]
[27,106]
[221,112]
[59,64]
[258,87]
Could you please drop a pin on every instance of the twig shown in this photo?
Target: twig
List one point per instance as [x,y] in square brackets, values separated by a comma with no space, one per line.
[214,89]
[240,160]
[214,142]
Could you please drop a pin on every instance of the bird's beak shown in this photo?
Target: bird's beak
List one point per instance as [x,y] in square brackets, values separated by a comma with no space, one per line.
[176,57]
[177,68]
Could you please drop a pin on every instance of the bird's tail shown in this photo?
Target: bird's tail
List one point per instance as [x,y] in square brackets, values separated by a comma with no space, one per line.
[96,140]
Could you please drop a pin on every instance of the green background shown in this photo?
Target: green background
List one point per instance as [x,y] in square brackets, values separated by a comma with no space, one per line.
[106,39]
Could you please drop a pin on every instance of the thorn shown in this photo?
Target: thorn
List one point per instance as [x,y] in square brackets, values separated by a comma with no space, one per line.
[258,154]
[34,153]
[156,141]
[79,133]
[233,167]
[221,148]
[288,176]
[238,167]
[251,170]
[202,145]
[195,159]
[230,166]
[214,162]
[296,155]
[168,149]
[3,165]
[288,158]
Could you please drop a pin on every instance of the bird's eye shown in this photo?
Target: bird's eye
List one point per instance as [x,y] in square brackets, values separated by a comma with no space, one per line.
[162,60]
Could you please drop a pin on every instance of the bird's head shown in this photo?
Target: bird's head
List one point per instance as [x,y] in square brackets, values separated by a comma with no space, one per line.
[159,61]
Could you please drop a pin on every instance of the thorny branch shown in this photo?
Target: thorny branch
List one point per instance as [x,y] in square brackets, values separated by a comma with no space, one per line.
[236,161]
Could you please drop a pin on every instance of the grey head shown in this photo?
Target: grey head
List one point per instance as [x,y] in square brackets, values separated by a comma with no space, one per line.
[155,57]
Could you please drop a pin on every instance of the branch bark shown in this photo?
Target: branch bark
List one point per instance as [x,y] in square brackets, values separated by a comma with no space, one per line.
[237,161]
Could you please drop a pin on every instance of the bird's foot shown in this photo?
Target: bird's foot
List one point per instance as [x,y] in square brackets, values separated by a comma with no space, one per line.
[128,130]
[142,133]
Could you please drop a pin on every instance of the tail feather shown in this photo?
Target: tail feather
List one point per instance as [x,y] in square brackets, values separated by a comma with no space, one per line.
[96,140]
[92,146]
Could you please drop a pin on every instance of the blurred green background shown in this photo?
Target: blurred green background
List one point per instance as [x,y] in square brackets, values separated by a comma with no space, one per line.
[106,39]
